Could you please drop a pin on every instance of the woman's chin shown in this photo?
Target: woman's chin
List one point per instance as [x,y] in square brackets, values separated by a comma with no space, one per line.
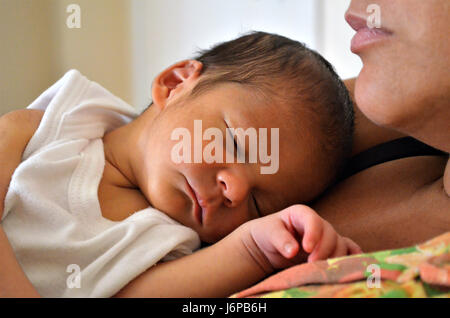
[377,99]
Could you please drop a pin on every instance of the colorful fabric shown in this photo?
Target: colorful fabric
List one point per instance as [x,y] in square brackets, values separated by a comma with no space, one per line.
[419,271]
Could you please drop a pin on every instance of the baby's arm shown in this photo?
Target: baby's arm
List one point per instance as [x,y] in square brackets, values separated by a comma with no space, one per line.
[16,129]
[218,270]
[244,257]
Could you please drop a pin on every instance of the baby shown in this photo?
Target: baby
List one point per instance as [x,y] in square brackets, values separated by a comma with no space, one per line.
[104,193]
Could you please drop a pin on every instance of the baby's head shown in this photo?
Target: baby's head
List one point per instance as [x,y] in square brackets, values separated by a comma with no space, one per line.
[265,84]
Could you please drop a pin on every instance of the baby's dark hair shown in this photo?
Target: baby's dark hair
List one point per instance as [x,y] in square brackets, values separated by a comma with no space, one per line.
[291,73]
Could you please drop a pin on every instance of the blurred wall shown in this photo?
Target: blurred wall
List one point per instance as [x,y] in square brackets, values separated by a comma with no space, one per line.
[38,47]
[124,44]
[335,37]
[26,52]
[100,49]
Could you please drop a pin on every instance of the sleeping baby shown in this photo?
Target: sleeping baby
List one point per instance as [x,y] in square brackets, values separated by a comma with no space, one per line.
[103,201]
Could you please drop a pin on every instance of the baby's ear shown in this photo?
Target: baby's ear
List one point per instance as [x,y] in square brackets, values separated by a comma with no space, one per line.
[175,80]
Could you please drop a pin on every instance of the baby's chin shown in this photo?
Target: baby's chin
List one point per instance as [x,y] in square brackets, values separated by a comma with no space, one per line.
[210,238]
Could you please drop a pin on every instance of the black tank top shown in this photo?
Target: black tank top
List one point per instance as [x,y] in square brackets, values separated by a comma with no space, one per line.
[392,150]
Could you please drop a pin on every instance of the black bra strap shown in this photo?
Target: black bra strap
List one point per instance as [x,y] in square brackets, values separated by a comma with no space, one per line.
[391,150]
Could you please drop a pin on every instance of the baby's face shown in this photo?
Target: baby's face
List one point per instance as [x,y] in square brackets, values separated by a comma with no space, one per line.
[203,186]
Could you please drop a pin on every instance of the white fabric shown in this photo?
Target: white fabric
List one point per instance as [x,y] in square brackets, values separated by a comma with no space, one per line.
[52,215]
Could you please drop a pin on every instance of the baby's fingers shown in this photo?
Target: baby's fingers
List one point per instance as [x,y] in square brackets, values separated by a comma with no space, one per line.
[285,243]
[352,247]
[308,224]
[327,244]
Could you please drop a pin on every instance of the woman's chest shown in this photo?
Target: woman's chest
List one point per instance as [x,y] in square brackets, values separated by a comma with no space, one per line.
[390,205]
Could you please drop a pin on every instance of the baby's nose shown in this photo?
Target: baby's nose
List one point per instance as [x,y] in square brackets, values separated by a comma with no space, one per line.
[235,188]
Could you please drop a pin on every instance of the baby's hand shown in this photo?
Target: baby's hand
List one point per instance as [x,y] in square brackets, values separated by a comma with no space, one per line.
[285,238]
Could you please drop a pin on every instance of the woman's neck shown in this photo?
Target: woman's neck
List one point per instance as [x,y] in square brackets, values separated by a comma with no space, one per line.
[367,134]
[433,128]
[434,131]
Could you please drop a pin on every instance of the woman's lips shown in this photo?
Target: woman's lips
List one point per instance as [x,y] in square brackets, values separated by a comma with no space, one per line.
[198,211]
[364,36]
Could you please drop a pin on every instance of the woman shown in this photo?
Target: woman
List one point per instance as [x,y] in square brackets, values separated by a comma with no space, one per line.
[404,87]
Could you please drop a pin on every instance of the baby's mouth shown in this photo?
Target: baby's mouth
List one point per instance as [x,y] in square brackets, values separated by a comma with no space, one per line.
[198,210]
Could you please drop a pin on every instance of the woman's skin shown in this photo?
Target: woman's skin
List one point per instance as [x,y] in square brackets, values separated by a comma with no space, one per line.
[404,86]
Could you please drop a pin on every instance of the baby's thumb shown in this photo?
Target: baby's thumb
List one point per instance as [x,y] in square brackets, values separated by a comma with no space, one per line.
[285,244]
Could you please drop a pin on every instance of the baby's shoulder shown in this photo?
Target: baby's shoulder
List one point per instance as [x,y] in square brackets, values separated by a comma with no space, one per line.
[23,121]
[16,130]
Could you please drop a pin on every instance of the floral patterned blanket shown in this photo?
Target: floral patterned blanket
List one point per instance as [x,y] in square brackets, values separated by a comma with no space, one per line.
[419,271]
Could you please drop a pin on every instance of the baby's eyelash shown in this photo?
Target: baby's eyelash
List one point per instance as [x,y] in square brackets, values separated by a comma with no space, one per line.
[232,136]
[235,143]
[256,205]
